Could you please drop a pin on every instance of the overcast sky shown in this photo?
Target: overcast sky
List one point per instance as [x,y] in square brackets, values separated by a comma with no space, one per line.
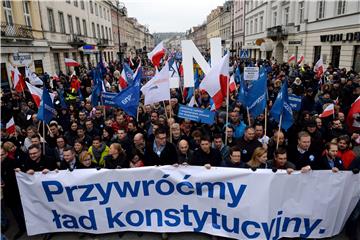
[170,15]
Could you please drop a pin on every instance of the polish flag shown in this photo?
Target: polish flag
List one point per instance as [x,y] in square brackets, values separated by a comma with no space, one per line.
[71,63]
[157,54]
[354,112]
[232,86]
[17,79]
[122,80]
[215,82]
[301,58]
[37,93]
[10,126]
[328,111]
[319,68]
[292,58]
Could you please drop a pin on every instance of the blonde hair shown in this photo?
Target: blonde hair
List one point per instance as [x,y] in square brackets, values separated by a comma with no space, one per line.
[259,151]
[8,145]
[118,147]
[83,155]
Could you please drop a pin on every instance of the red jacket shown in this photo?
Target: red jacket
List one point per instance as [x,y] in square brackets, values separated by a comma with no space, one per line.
[347,157]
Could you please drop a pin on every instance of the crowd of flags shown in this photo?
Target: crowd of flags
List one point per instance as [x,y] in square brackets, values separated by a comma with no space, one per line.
[217,83]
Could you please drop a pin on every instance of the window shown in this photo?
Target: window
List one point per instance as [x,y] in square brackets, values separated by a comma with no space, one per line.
[261,23]
[102,32]
[98,31]
[62,22]
[96,10]
[84,27]
[301,12]
[107,33]
[82,5]
[78,27]
[286,15]
[91,7]
[108,15]
[341,7]
[57,62]
[8,12]
[256,25]
[110,37]
[317,53]
[76,3]
[251,26]
[335,55]
[356,63]
[71,26]
[105,14]
[26,5]
[68,1]
[274,18]
[321,9]
[100,10]
[51,20]
[247,28]
[93,30]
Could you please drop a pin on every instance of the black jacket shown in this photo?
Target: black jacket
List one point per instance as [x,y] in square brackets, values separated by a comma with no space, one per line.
[323,164]
[45,162]
[120,162]
[201,158]
[167,157]
[303,159]
[248,148]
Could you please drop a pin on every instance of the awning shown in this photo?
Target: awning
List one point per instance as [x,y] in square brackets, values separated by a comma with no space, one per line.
[250,47]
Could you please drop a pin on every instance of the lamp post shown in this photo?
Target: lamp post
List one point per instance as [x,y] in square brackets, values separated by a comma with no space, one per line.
[118,24]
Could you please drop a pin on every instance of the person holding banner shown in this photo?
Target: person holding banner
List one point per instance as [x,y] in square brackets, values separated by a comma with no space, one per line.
[280,161]
[185,154]
[330,161]
[248,144]
[258,159]
[117,157]
[70,161]
[160,151]
[98,150]
[206,155]
[85,161]
[234,160]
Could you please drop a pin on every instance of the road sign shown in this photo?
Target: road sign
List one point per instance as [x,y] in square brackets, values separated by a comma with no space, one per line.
[244,53]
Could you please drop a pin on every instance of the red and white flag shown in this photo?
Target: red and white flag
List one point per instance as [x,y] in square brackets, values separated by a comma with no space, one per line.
[10,126]
[71,62]
[319,68]
[291,58]
[17,79]
[232,86]
[328,111]
[353,114]
[157,54]
[215,82]
[122,81]
[37,93]
[301,58]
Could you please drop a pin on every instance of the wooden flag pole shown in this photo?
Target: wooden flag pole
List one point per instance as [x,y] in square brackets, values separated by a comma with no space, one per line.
[227,109]
[278,137]
[265,120]
[44,138]
[248,115]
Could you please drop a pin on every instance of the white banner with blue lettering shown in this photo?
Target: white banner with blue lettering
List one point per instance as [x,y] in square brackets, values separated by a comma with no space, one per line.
[236,203]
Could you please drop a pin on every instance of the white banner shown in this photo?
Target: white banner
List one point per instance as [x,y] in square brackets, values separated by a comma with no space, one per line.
[227,202]
[251,73]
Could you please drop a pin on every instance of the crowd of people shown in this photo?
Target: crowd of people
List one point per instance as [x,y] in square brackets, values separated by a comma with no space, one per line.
[83,136]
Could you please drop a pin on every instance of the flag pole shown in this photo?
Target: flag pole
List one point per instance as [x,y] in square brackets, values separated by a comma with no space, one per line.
[265,119]
[170,125]
[44,138]
[165,110]
[227,108]
[278,137]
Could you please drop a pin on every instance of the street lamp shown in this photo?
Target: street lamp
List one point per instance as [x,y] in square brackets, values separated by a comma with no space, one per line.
[118,24]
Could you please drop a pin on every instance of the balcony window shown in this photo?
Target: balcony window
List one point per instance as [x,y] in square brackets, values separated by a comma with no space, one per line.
[26,5]
[91,7]
[321,9]
[341,7]
[62,22]
[96,9]
[71,26]
[93,30]
[78,27]
[51,20]
[84,27]
[76,3]
[8,12]
[286,15]
[301,12]
[82,5]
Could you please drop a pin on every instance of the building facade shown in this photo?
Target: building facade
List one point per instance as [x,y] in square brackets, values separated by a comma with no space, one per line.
[213,24]
[238,13]
[22,39]
[226,25]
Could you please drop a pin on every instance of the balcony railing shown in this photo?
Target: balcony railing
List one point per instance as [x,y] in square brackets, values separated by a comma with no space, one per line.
[16,31]
[76,41]
[276,32]
[103,43]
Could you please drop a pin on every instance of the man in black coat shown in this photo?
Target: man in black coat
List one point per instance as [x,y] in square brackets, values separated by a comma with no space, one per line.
[37,161]
[160,151]
[70,162]
[206,155]
[248,143]
[330,161]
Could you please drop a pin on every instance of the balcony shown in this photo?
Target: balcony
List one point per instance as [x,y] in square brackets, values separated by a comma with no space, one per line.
[76,41]
[16,31]
[103,43]
[275,33]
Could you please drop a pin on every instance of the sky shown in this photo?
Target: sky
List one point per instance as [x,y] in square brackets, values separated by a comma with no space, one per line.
[170,15]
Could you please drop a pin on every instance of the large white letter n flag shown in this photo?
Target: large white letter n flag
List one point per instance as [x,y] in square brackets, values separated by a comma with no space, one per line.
[236,203]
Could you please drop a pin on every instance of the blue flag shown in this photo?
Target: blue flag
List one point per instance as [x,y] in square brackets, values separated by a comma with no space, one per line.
[95,94]
[256,97]
[46,110]
[282,107]
[243,90]
[128,99]
[61,98]
[129,74]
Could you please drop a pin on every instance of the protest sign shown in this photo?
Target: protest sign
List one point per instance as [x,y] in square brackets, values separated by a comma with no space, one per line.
[196,114]
[107,98]
[251,73]
[228,202]
[295,102]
